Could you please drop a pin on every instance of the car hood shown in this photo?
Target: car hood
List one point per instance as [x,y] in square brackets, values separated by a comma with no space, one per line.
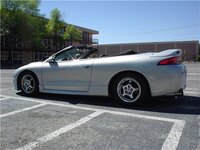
[35,64]
[32,65]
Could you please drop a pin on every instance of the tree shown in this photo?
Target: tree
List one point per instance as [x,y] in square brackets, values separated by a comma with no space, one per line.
[72,34]
[54,26]
[20,19]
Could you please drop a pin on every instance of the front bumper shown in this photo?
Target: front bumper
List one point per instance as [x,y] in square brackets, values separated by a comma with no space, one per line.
[15,75]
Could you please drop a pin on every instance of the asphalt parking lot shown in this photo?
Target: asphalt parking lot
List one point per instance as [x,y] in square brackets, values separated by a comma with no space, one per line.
[62,122]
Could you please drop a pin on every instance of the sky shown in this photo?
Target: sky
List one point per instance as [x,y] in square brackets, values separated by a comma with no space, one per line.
[132,21]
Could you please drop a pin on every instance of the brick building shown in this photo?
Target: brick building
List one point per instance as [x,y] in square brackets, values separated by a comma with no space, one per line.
[190,48]
[22,53]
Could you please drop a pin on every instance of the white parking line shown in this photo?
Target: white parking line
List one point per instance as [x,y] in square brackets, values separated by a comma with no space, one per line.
[173,137]
[195,74]
[171,141]
[60,131]
[21,110]
[191,89]
[191,92]
[193,79]
[4,98]
[94,109]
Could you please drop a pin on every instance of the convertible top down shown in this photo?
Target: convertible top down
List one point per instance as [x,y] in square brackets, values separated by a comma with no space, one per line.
[128,77]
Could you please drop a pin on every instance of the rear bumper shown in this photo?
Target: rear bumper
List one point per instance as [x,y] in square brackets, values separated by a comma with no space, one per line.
[168,80]
[179,93]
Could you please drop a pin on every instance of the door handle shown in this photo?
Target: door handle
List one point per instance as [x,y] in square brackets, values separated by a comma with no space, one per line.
[87,66]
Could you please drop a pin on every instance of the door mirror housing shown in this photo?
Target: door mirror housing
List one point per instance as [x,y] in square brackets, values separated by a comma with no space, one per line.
[51,60]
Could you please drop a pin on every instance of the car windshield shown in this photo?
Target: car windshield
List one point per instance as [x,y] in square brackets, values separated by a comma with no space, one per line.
[75,53]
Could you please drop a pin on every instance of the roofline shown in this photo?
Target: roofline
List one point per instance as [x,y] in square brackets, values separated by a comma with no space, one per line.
[86,29]
[165,42]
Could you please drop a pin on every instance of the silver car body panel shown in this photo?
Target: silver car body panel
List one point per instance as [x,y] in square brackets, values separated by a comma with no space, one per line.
[70,76]
[92,76]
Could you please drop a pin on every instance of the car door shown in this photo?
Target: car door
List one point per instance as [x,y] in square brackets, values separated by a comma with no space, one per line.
[70,75]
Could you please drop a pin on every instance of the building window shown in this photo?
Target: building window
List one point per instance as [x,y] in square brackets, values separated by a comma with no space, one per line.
[40,56]
[3,42]
[86,37]
[19,46]
[47,43]
[4,57]
[16,57]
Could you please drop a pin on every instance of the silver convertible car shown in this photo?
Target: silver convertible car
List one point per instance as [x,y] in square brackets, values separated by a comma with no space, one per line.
[128,77]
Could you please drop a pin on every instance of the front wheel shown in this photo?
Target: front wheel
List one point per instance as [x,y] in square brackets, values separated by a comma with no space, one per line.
[130,89]
[28,84]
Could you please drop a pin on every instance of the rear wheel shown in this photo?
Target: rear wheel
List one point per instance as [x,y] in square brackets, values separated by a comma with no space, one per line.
[28,84]
[130,88]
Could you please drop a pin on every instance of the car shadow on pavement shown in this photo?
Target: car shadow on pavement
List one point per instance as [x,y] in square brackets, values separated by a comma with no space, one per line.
[185,105]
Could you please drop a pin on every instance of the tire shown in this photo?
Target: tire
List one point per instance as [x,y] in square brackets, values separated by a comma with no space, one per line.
[130,88]
[28,84]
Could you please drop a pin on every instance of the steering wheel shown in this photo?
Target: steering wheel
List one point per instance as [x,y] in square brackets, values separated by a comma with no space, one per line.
[69,58]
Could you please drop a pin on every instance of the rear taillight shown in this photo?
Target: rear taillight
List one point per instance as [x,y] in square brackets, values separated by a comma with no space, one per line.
[170,61]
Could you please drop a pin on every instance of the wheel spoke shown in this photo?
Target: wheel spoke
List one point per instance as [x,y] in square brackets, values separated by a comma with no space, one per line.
[27,84]
[135,89]
[26,88]
[131,96]
[129,89]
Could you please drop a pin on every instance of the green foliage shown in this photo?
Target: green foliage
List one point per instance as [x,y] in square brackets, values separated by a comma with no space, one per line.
[55,23]
[54,26]
[27,6]
[72,33]
[20,19]
[39,31]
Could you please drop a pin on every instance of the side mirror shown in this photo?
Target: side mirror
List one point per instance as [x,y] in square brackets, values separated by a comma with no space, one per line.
[51,60]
